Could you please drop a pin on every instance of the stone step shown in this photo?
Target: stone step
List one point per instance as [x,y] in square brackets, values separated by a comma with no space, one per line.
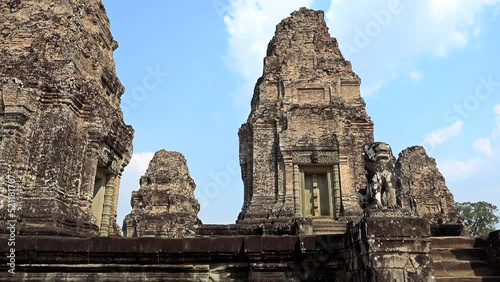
[328,232]
[456,242]
[458,254]
[470,278]
[328,226]
[458,268]
[324,231]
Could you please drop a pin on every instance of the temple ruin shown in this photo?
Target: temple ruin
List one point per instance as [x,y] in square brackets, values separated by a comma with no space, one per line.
[423,187]
[64,143]
[165,205]
[322,200]
[301,148]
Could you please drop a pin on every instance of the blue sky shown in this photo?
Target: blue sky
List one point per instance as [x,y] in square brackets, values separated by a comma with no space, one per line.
[429,73]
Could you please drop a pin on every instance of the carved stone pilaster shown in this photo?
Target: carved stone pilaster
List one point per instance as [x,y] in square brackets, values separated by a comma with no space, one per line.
[296,190]
[337,194]
[108,206]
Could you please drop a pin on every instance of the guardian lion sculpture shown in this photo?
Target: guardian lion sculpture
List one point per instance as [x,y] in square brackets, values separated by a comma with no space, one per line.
[380,191]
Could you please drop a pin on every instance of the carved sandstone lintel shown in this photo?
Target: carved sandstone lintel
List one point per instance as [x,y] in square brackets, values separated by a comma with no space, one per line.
[317,157]
[110,159]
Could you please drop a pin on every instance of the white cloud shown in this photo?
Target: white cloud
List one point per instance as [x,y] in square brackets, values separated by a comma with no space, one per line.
[477,31]
[139,163]
[416,75]
[497,109]
[373,88]
[389,35]
[483,146]
[459,170]
[130,181]
[366,35]
[439,136]
[251,25]
[368,90]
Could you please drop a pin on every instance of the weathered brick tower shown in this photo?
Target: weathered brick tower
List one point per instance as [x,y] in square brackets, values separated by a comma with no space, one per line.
[301,148]
[165,205]
[63,140]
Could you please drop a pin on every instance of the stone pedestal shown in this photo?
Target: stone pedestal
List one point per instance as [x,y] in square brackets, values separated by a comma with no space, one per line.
[388,245]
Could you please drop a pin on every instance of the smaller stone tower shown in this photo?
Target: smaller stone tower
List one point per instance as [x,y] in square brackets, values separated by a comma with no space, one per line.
[165,205]
[422,187]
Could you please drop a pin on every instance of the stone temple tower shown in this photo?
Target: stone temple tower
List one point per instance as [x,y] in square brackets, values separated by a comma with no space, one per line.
[63,141]
[301,147]
[165,205]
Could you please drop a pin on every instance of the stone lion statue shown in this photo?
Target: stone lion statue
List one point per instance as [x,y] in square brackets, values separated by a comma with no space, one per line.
[380,191]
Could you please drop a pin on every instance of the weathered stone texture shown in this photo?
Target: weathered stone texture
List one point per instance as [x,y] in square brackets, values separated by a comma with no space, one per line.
[384,247]
[307,124]
[238,258]
[422,187]
[380,191]
[165,205]
[63,141]
[63,146]
[493,249]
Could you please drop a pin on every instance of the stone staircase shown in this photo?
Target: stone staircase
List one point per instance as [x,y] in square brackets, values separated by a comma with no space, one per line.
[323,226]
[461,259]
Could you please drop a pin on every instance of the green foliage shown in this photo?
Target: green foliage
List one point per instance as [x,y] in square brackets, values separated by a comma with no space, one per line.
[479,217]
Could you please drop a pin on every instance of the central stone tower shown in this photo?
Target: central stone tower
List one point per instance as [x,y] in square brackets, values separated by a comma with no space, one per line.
[301,147]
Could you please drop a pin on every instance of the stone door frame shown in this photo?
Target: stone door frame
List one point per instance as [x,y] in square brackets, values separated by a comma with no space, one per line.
[305,197]
[322,161]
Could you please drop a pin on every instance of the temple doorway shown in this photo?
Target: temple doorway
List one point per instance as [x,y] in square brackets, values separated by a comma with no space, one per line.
[317,198]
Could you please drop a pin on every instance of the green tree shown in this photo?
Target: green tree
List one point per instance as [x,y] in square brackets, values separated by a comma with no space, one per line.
[479,217]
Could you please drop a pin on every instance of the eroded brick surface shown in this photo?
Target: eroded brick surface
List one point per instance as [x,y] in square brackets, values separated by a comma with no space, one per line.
[165,205]
[423,188]
[61,120]
[307,117]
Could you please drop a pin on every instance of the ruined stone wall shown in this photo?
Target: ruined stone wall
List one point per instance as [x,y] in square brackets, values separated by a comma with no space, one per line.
[165,205]
[385,246]
[61,116]
[243,258]
[422,187]
[307,102]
